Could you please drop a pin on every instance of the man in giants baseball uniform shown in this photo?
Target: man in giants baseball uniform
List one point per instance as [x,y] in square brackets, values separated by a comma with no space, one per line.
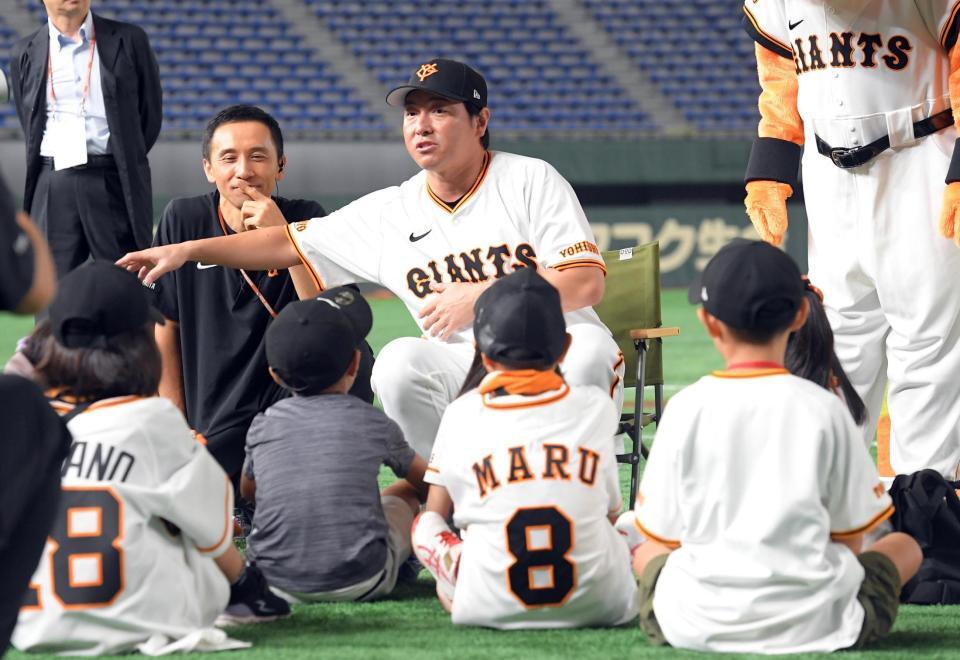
[438,241]
[864,86]
[527,462]
[760,485]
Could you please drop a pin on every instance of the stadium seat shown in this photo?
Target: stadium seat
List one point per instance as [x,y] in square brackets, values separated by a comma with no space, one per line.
[631,309]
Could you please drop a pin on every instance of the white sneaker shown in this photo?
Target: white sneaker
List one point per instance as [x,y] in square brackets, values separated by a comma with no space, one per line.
[627,527]
[438,549]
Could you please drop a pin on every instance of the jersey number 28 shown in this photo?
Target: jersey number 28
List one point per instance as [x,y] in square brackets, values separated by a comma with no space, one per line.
[539,539]
[87,558]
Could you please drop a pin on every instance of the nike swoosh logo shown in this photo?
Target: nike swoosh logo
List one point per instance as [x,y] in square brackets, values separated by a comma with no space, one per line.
[414,239]
[203,266]
[793,25]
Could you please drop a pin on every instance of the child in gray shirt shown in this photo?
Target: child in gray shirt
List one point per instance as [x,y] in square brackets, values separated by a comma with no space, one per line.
[322,531]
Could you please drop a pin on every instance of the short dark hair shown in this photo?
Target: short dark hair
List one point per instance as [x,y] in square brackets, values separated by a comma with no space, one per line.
[236,113]
[128,365]
[473,111]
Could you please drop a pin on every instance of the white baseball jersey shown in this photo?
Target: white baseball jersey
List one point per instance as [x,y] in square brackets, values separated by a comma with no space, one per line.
[860,57]
[752,473]
[533,479]
[868,69]
[144,510]
[519,212]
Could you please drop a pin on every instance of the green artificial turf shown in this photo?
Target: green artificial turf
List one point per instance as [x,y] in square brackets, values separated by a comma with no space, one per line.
[412,625]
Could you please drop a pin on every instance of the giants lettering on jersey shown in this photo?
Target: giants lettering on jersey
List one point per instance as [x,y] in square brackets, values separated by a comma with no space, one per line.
[556,465]
[476,265]
[849,49]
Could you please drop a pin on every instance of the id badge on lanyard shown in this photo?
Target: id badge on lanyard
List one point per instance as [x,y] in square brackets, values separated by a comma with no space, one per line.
[70,130]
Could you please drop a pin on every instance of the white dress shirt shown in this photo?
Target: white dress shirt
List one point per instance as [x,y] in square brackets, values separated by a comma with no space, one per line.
[69,59]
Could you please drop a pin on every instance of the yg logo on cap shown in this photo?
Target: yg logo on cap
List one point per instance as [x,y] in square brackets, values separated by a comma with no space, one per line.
[426,70]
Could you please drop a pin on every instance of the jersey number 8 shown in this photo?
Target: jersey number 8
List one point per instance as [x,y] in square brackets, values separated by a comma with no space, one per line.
[87,559]
[539,539]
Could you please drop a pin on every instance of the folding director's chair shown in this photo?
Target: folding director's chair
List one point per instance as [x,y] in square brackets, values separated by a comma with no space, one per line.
[631,309]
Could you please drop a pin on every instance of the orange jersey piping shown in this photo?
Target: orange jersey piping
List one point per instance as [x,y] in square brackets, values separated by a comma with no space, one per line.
[313,273]
[749,373]
[673,545]
[227,521]
[876,520]
[476,185]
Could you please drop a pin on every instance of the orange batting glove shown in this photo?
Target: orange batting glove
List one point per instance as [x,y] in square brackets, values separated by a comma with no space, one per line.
[950,212]
[766,204]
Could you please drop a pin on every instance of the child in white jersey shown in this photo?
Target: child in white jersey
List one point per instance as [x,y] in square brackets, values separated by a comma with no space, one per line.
[758,491]
[527,462]
[141,549]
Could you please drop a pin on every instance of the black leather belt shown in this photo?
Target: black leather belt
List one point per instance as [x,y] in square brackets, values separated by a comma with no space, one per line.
[857,156]
[99,162]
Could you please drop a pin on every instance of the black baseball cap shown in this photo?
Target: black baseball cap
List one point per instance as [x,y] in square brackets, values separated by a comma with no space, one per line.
[447,78]
[311,342]
[98,301]
[519,321]
[750,285]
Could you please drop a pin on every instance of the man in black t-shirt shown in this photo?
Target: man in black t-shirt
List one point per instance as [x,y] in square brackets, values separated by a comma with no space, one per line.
[34,440]
[215,368]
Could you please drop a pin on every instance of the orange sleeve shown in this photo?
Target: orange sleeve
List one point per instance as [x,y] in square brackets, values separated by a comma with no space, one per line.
[779,117]
[954,84]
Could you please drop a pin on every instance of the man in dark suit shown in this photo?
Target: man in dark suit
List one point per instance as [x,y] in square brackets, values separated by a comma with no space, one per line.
[87,90]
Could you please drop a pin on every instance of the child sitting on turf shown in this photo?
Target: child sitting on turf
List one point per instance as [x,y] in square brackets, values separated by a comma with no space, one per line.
[758,490]
[321,530]
[527,463]
[141,549]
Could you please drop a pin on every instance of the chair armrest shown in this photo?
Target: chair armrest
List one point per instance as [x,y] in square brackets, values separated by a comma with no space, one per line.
[654,333]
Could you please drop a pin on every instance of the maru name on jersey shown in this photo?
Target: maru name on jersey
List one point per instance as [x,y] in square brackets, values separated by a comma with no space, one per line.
[556,466]
[850,49]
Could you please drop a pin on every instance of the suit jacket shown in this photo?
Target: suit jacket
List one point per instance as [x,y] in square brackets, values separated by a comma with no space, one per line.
[132,98]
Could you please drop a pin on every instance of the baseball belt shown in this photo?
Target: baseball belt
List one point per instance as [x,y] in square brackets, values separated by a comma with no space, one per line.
[846,158]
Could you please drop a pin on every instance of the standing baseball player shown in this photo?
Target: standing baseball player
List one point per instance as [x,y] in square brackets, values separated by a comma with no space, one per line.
[865,87]
[438,241]
[526,462]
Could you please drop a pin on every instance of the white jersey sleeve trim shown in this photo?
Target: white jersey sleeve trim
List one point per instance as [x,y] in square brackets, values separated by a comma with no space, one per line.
[948,35]
[763,37]
[226,536]
[318,282]
[670,543]
[863,529]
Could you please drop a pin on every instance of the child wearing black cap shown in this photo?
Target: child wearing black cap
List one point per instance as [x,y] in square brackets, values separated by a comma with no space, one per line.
[141,546]
[527,463]
[321,530]
[758,490]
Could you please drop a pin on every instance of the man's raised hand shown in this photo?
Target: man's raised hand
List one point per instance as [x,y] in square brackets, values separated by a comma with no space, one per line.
[260,210]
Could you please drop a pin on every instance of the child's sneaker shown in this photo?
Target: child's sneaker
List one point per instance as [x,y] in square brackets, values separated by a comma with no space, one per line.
[627,528]
[251,601]
[438,549]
